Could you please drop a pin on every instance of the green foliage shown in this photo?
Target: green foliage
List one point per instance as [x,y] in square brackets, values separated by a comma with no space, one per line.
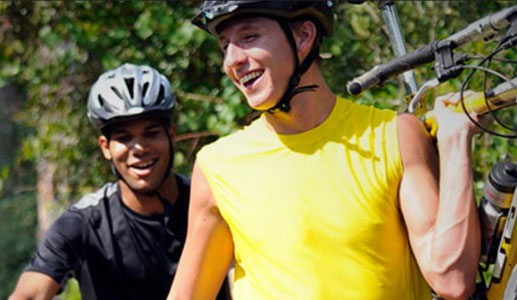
[17,229]
[4,172]
[54,50]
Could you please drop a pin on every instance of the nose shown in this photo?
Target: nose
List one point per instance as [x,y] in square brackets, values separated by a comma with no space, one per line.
[140,146]
[234,56]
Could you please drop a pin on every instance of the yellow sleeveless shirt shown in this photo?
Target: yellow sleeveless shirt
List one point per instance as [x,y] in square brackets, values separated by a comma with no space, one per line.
[316,215]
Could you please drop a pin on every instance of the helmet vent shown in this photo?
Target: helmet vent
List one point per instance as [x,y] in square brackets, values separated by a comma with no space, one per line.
[101,100]
[159,99]
[129,84]
[117,93]
[144,89]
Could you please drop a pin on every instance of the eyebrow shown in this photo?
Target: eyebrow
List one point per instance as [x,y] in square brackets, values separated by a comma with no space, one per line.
[123,130]
[118,131]
[152,126]
[241,27]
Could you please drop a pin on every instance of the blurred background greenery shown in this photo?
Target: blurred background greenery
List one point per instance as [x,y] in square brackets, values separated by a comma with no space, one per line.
[52,51]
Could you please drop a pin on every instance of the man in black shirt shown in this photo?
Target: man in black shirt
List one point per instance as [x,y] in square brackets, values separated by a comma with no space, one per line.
[123,241]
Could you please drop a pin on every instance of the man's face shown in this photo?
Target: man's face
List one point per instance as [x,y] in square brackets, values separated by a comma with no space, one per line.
[257,58]
[139,149]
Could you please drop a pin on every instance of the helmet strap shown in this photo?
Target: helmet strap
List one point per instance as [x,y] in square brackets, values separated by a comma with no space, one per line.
[115,171]
[292,89]
[170,163]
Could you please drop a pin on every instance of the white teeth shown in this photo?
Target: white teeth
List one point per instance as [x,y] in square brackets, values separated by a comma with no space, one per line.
[246,78]
[143,165]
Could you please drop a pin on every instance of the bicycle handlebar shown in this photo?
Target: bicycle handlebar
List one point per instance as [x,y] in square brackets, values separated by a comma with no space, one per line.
[394,67]
[482,28]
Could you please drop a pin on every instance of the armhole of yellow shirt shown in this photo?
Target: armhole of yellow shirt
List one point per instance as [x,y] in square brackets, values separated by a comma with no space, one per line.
[395,158]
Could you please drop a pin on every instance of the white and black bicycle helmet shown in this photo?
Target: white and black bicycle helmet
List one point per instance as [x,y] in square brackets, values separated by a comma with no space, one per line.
[129,91]
[214,13]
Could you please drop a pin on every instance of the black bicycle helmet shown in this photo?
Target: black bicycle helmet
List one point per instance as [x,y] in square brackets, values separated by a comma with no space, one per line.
[127,92]
[213,13]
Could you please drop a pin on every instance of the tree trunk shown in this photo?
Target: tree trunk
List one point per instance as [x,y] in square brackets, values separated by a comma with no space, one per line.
[46,196]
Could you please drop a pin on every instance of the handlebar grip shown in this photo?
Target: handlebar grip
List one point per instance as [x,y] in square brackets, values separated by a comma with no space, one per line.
[364,81]
[475,103]
[380,73]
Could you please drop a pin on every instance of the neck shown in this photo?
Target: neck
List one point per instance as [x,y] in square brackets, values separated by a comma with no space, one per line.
[308,109]
[144,204]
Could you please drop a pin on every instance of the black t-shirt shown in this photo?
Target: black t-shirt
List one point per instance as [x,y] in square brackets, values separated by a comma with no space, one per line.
[114,252]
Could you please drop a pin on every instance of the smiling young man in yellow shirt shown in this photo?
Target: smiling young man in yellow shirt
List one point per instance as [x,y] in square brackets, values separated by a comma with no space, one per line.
[320,197]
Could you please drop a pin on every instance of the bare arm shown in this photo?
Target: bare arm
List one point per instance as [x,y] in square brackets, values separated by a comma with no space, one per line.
[208,248]
[34,286]
[438,205]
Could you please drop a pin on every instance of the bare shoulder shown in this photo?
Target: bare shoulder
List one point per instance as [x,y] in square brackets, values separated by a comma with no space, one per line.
[409,127]
[201,193]
[34,285]
[414,141]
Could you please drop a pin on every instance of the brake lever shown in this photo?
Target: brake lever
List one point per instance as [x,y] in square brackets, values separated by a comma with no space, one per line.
[416,106]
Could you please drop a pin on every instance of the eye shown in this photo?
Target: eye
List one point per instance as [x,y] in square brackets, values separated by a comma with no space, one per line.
[153,133]
[223,43]
[250,37]
[121,138]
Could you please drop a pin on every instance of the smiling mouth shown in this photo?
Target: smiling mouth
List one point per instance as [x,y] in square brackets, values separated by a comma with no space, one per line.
[145,165]
[248,79]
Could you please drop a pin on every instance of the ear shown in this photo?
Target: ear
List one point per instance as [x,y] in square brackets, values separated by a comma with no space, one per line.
[305,35]
[104,145]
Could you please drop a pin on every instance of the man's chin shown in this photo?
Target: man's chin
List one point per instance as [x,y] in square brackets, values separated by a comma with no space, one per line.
[144,188]
[260,104]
